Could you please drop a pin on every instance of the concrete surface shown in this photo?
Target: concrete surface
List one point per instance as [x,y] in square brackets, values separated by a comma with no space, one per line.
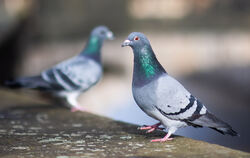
[30,128]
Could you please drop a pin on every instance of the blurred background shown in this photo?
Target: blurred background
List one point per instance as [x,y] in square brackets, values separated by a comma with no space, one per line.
[204,44]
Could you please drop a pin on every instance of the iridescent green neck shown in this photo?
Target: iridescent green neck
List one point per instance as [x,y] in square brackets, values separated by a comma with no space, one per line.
[93,45]
[146,66]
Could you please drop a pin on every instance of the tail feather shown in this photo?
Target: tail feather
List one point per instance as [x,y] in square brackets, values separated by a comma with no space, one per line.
[224,131]
[35,82]
[211,121]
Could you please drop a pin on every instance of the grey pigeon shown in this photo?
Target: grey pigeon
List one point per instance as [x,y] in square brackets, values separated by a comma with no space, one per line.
[70,78]
[162,97]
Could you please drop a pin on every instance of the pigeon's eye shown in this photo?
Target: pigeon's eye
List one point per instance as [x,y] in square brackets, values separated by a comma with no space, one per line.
[136,38]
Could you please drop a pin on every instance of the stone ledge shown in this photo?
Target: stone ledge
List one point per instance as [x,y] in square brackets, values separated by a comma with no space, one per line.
[29,129]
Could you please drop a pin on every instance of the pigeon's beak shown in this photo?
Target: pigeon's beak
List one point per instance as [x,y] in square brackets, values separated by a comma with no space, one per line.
[110,35]
[126,43]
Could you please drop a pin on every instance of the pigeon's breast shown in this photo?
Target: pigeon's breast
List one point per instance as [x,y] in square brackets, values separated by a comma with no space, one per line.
[145,98]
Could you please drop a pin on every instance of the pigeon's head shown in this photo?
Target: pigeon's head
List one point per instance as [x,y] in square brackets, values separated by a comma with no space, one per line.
[136,40]
[102,32]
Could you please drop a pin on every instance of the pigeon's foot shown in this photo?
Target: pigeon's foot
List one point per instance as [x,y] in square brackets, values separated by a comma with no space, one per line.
[74,109]
[151,128]
[166,138]
[161,140]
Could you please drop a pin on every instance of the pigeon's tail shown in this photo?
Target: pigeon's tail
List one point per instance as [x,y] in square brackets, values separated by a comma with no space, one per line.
[211,121]
[224,131]
[35,82]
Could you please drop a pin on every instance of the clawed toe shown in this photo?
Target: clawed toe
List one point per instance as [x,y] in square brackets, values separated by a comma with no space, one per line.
[145,127]
[151,130]
[74,109]
[161,140]
[156,140]
[166,138]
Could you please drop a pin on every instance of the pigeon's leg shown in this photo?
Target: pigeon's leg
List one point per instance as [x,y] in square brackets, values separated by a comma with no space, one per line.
[74,109]
[77,107]
[163,139]
[151,128]
[72,100]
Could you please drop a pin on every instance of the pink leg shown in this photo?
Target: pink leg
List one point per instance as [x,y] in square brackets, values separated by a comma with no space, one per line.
[78,108]
[166,138]
[151,128]
[73,109]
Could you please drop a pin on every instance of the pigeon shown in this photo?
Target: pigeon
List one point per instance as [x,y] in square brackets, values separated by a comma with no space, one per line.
[163,98]
[68,79]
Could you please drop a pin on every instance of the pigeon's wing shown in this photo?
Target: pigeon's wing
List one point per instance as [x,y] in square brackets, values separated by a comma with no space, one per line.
[33,82]
[78,73]
[176,103]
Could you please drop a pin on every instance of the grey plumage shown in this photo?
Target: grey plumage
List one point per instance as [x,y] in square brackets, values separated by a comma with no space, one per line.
[164,98]
[71,77]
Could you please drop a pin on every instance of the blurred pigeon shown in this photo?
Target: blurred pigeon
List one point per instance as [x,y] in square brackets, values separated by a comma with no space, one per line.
[164,98]
[70,78]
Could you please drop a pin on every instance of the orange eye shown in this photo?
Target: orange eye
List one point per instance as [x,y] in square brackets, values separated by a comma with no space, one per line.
[136,38]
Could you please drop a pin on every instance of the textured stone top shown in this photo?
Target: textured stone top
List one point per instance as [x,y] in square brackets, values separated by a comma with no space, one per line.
[32,129]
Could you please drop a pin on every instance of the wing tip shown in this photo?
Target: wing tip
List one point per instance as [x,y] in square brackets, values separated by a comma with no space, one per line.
[232,133]
[228,131]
